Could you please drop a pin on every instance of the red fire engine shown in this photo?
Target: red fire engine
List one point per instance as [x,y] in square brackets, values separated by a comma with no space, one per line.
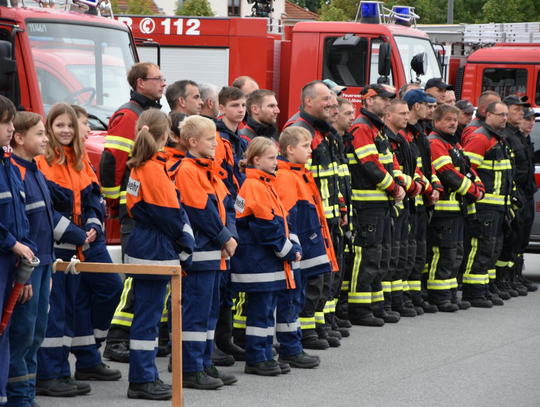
[217,50]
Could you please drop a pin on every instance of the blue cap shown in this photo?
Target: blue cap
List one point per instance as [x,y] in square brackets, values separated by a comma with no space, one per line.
[417,96]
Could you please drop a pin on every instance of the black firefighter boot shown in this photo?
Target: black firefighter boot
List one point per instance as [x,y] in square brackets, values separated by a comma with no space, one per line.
[223,337]
[503,281]
[520,266]
[515,283]
[462,304]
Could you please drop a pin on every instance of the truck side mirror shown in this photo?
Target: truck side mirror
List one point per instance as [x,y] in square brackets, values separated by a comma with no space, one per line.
[346,42]
[385,59]
[419,64]
[7,65]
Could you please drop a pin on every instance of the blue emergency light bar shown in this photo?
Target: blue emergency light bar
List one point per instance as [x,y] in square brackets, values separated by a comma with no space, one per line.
[371,12]
[374,12]
[403,15]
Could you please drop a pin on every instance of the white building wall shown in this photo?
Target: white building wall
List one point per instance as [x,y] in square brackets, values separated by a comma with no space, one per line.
[220,7]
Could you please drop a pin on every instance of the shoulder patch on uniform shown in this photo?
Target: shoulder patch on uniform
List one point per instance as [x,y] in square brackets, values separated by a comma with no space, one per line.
[133,187]
[240,204]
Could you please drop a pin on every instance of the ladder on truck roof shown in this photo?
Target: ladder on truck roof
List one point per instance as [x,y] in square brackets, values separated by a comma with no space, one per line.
[480,35]
[99,7]
[501,33]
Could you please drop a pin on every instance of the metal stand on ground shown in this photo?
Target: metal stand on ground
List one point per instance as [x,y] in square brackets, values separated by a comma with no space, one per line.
[176,286]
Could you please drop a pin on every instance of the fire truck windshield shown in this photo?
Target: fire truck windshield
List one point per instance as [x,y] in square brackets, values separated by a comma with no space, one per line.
[82,64]
[410,46]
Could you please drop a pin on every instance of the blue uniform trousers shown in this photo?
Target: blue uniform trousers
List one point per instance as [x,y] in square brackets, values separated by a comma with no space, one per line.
[54,352]
[289,305]
[200,311]
[149,296]
[260,326]
[7,270]
[97,298]
[29,322]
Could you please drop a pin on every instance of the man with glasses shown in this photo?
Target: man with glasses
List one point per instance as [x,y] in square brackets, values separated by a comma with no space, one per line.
[510,264]
[147,86]
[490,158]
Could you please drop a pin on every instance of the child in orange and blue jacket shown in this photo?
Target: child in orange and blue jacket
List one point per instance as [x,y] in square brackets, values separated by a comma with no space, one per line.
[29,319]
[262,264]
[14,230]
[211,211]
[162,235]
[75,302]
[301,198]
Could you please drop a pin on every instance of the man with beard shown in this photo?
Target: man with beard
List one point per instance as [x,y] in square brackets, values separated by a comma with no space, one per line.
[374,192]
[490,158]
[263,110]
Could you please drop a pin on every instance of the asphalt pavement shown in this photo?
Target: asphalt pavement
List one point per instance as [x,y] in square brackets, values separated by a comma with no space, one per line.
[478,357]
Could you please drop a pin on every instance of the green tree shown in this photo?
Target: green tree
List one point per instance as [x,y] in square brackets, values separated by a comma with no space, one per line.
[195,8]
[139,7]
[435,11]
[329,12]
[311,5]
[511,11]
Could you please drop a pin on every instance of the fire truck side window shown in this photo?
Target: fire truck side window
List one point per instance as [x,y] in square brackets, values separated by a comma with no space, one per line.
[51,88]
[346,66]
[505,81]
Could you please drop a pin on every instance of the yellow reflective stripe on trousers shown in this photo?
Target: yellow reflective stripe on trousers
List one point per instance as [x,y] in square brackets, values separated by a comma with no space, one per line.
[123,197]
[438,284]
[359,298]
[472,255]
[356,268]
[307,322]
[492,273]
[397,285]
[481,279]
[377,296]
[434,262]
[386,286]
[414,285]
[319,317]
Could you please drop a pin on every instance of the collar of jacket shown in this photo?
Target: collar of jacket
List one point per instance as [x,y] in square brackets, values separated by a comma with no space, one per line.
[160,157]
[207,162]
[29,165]
[497,134]
[449,138]
[143,101]
[394,136]
[285,164]
[479,116]
[222,127]
[211,118]
[318,124]
[261,129]
[512,130]
[261,175]
[174,152]
[373,118]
